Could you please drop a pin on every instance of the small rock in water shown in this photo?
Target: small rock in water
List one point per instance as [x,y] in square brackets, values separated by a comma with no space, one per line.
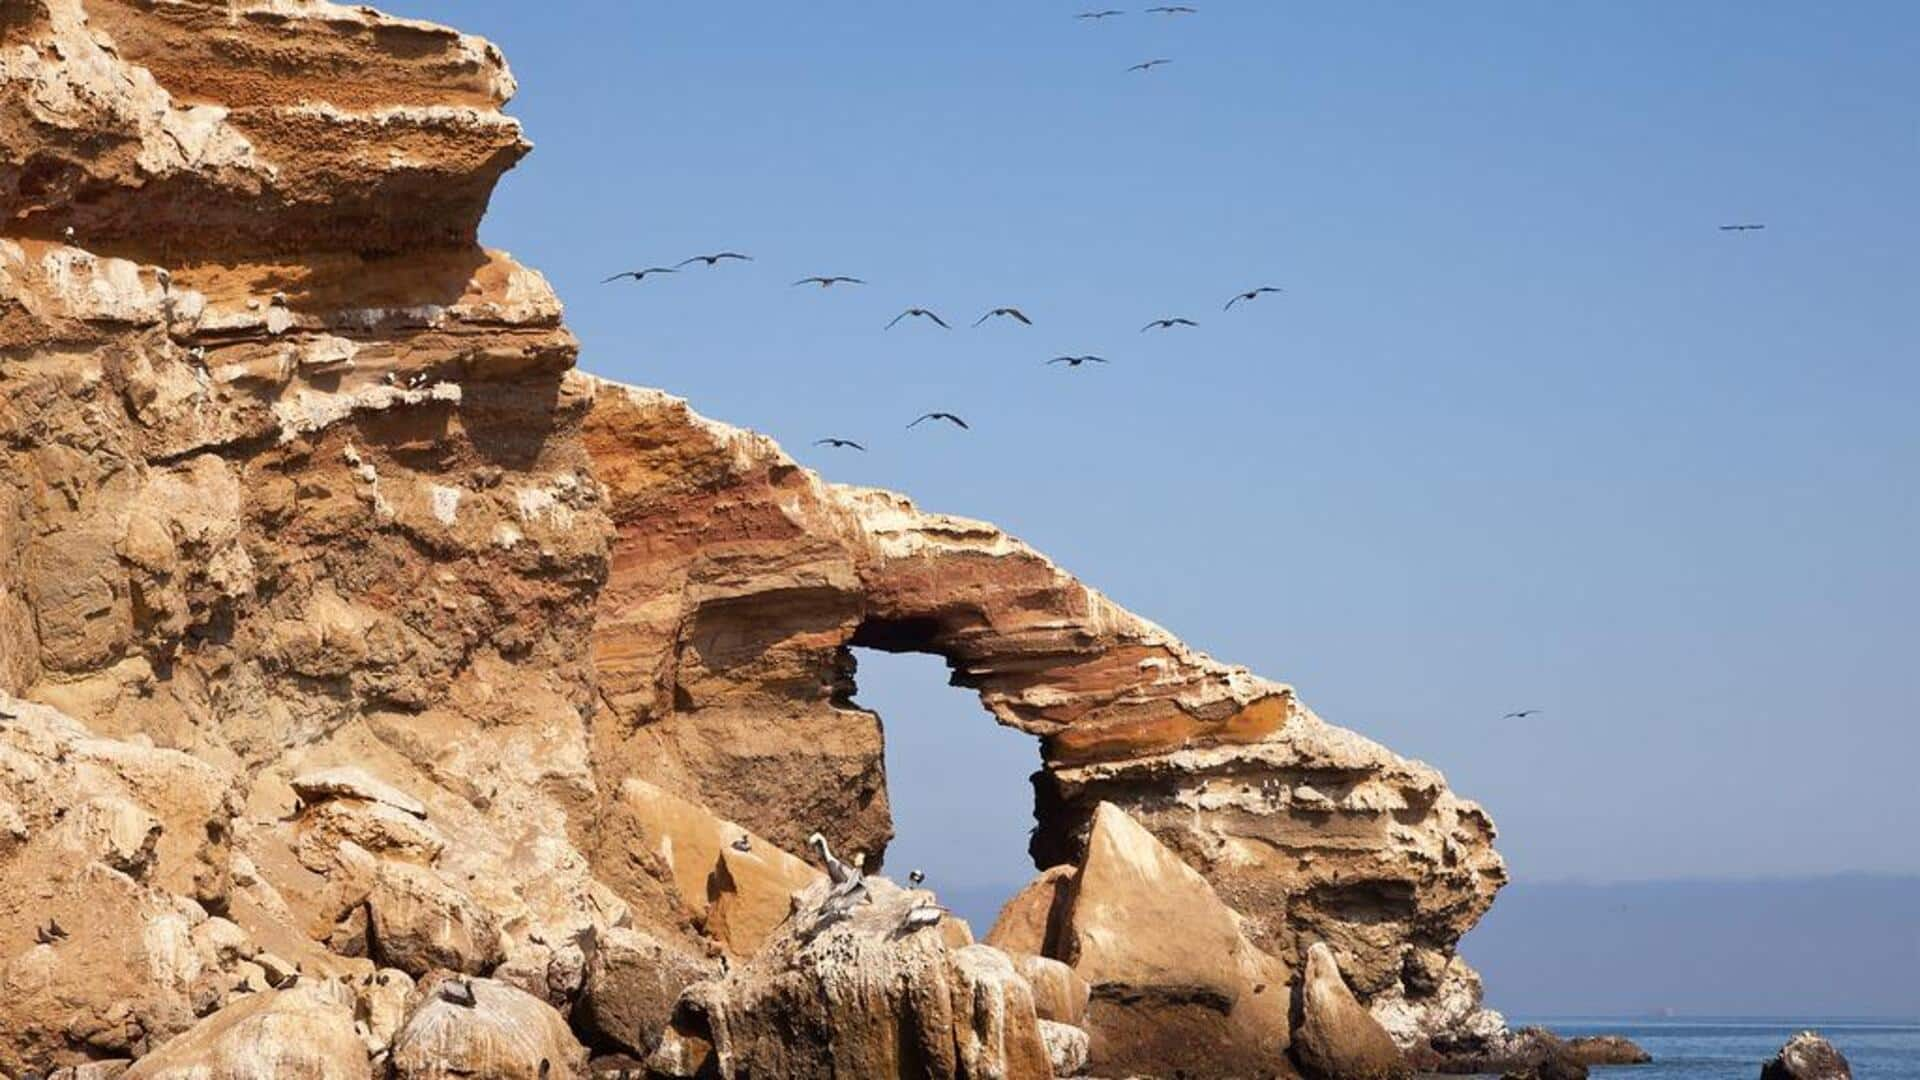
[1807,1056]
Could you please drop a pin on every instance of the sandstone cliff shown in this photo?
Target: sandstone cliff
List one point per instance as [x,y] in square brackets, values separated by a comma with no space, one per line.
[350,640]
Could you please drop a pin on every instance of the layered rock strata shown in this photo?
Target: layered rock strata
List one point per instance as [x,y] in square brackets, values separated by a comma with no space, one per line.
[355,651]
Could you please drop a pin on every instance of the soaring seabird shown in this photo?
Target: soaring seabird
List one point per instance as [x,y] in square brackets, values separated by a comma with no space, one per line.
[1176,9]
[947,416]
[1148,65]
[1076,361]
[840,444]
[1251,294]
[1162,324]
[714,258]
[919,313]
[829,281]
[641,275]
[1741,228]
[1521,715]
[1099,14]
[1005,312]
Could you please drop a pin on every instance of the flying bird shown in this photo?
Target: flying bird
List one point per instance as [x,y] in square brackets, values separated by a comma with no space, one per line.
[1098,14]
[829,282]
[1162,324]
[947,416]
[1076,361]
[1521,715]
[640,275]
[1251,294]
[915,877]
[839,444]
[1148,65]
[1741,228]
[711,259]
[1177,9]
[742,844]
[919,313]
[1013,313]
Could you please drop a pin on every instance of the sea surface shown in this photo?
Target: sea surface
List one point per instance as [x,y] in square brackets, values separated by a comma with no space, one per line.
[1734,1049]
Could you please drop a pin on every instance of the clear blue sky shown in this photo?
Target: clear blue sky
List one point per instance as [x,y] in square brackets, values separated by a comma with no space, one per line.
[1526,430]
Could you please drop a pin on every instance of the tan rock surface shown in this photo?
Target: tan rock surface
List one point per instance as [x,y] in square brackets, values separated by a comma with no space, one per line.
[1337,1038]
[305,1033]
[1156,944]
[505,1034]
[875,996]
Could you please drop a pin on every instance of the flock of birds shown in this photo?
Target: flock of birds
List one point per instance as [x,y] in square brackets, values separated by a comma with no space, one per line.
[1010,313]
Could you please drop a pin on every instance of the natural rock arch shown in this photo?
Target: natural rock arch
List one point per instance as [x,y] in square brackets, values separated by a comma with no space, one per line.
[739,582]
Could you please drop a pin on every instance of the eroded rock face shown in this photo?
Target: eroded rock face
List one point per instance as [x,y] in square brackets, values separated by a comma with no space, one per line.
[347,633]
[739,581]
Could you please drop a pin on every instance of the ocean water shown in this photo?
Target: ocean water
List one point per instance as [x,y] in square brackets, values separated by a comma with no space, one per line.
[1734,1049]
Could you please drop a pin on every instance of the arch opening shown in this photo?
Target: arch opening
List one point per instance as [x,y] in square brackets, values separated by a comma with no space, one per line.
[959,784]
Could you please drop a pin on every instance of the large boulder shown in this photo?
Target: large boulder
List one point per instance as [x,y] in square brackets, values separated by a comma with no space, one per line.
[865,992]
[633,982]
[1807,1056]
[421,922]
[304,1033]
[465,1027]
[1337,1038]
[1177,986]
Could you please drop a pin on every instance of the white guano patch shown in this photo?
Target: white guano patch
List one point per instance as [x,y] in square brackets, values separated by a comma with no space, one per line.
[446,503]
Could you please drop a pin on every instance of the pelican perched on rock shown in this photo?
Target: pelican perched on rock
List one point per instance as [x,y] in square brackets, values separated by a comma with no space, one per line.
[921,917]
[837,872]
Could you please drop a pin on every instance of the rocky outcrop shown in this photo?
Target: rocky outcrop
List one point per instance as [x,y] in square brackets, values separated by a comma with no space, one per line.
[1337,1038]
[865,992]
[1607,1050]
[1807,1056]
[1176,985]
[349,637]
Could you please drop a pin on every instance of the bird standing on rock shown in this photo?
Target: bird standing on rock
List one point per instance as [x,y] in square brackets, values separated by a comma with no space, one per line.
[915,877]
[742,844]
[458,992]
[921,917]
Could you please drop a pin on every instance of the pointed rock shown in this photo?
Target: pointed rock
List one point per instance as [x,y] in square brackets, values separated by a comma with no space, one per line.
[1338,1039]
[1176,984]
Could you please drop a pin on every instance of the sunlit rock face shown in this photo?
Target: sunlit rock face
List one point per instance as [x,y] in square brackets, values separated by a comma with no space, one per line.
[740,581]
[349,637]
